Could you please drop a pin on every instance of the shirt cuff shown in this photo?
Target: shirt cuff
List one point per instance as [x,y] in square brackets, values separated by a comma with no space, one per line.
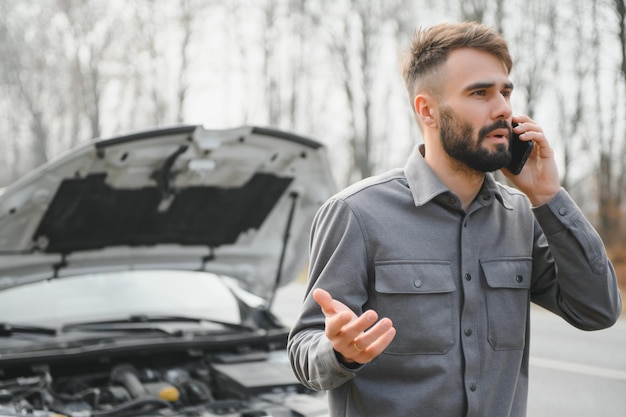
[558,213]
[339,370]
[353,366]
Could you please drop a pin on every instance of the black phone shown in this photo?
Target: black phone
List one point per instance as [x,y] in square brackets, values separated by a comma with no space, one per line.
[520,149]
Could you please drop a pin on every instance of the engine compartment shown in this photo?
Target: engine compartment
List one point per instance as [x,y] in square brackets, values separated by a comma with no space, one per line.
[189,383]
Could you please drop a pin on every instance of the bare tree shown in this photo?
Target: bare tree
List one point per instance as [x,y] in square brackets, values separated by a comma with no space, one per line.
[473,10]
[571,101]
[620,186]
[190,12]
[499,15]
[300,27]
[90,36]
[154,79]
[356,35]
[611,165]
[271,69]
[300,79]
[26,79]
[530,73]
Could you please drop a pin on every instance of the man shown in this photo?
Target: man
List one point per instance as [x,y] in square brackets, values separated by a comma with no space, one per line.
[421,279]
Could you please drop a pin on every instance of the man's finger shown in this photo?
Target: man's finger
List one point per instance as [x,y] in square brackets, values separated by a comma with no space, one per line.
[370,337]
[378,346]
[325,301]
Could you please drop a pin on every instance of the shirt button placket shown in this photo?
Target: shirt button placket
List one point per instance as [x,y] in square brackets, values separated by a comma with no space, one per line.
[469,310]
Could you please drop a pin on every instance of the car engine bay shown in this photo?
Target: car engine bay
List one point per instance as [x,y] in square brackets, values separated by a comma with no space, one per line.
[190,383]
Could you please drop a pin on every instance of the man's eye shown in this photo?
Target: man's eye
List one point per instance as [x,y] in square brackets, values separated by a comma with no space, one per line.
[506,93]
[479,93]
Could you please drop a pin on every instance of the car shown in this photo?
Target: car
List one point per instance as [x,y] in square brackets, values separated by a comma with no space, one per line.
[138,275]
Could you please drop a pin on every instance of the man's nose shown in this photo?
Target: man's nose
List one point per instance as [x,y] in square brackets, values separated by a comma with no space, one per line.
[502,108]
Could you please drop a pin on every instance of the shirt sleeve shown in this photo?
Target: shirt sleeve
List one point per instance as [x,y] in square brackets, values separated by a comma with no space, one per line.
[338,264]
[572,274]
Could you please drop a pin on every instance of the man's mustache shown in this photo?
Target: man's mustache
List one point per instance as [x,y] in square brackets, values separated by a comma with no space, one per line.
[498,124]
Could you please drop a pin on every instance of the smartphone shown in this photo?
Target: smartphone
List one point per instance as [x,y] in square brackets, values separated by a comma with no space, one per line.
[520,150]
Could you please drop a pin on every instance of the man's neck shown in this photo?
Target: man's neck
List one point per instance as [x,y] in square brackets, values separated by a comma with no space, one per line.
[458,177]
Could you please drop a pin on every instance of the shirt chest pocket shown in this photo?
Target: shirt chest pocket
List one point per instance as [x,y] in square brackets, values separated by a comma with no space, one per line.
[508,301]
[417,297]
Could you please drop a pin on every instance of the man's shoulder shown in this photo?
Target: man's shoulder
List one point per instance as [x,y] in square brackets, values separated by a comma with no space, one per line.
[371,185]
[513,196]
[508,190]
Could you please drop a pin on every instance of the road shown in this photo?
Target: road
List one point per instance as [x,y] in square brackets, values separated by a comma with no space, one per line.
[575,373]
[572,373]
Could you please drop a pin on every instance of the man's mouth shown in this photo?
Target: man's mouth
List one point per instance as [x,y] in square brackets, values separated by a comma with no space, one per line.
[499,135]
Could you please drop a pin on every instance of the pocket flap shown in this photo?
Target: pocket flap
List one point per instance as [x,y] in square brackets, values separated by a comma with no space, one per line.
[414,277]
[508,273]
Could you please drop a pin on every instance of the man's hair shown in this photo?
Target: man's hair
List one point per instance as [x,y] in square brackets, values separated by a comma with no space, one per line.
[430,48]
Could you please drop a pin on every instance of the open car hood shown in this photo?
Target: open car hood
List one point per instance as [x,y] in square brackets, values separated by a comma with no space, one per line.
[236,202]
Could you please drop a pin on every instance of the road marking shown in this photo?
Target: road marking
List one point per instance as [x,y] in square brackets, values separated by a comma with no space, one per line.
[577,368]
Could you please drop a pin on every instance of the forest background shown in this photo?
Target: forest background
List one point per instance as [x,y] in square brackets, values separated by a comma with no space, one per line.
[74,70]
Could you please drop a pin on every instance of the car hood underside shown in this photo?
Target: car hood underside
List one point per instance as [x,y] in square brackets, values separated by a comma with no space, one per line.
[237,202]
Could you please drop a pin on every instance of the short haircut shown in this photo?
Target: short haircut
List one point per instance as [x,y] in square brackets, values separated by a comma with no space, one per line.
[430,48]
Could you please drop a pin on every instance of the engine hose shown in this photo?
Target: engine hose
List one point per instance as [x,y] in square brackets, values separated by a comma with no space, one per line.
[126,376]
[138,402]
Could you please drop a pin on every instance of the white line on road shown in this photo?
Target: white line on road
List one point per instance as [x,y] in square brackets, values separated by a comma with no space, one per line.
[577,368]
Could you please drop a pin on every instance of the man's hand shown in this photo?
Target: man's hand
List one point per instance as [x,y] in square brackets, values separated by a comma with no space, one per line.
[539,178]
[357,339]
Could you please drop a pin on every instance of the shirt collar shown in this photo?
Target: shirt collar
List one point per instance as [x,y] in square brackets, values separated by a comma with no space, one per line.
[425,185]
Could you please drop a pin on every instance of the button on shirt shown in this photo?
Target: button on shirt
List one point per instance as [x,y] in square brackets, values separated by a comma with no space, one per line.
[457,286]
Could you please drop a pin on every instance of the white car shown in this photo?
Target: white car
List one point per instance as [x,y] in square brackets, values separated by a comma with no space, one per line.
[138,275]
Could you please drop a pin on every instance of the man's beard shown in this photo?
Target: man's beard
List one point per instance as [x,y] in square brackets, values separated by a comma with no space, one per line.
[458,142]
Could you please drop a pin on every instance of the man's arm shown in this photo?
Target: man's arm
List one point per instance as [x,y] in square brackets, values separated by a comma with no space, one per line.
[573,276]
[321,345]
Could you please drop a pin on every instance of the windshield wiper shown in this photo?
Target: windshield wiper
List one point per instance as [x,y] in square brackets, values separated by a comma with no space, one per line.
[133,323]
[9,329]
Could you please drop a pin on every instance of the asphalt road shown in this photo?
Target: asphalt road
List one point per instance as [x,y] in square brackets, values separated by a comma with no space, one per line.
[572,373]
[575,373]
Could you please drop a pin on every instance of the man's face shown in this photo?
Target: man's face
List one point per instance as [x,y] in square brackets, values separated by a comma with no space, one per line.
[475,110]
[460,143]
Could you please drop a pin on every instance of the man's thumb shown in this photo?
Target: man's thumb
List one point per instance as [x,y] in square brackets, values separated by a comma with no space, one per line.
[325,301]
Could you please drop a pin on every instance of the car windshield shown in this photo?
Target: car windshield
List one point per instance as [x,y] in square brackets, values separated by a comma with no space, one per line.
[117,295]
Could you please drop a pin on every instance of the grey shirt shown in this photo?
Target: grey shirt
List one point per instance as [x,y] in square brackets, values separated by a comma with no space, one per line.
[457,286]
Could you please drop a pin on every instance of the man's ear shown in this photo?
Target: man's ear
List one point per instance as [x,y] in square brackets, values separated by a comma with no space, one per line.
[426,110]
